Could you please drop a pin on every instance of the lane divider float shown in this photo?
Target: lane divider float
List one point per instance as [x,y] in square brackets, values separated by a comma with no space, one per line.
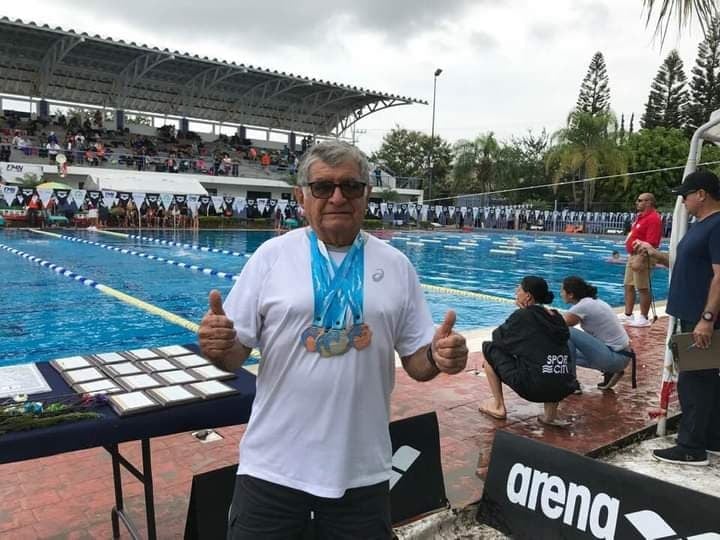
[143,255]
[177,244]
[471,294]
[126,298]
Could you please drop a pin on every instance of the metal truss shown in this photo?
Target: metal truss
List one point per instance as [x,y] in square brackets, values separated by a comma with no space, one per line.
[260,94]
[53,57]
[305,110]
[134,72]
[198,87]
[345,120]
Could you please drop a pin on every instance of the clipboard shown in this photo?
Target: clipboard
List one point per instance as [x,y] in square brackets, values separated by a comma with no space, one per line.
[689,357]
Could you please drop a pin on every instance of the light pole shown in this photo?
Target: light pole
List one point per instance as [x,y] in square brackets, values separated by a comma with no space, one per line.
[438,71]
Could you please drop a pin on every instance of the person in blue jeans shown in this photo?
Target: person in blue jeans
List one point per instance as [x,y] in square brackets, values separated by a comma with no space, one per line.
[603,344]
[694,301]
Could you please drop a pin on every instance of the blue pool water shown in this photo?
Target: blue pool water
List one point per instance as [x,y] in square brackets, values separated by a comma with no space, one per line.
[44,315]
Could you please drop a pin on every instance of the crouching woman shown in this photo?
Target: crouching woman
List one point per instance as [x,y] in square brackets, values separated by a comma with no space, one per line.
[529,353]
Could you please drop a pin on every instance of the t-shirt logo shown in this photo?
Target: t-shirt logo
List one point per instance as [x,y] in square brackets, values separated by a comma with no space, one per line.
[556,364]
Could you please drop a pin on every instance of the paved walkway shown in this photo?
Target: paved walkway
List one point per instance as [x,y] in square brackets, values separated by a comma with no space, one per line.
[70,495]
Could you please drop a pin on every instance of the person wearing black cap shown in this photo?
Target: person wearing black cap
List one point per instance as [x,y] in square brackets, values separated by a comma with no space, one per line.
[529,353]
[694,299]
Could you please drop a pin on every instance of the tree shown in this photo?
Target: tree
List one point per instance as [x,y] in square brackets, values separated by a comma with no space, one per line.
[474,167]
[668,99]
[683,11]
[594,95]
[586,148]
[521,165]
[705,83]
[405,153]
[651,150]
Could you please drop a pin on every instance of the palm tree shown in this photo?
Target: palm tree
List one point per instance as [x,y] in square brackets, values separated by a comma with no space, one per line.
[586,148]
[682,10]
[475,162]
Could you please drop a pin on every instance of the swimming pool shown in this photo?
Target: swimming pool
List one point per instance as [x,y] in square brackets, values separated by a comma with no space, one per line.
[45,315]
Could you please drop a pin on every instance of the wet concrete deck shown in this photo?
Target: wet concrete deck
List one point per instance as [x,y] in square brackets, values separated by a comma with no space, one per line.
[70,495]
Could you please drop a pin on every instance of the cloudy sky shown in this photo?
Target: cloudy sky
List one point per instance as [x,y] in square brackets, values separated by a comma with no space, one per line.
[508,65]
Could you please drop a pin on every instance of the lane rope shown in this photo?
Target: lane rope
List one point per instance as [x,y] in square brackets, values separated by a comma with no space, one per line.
[126,298]
[143,255]
[178,244]
[471,294]
[431,288]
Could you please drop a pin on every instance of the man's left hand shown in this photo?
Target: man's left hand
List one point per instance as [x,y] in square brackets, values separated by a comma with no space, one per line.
[449,349]
[702,334]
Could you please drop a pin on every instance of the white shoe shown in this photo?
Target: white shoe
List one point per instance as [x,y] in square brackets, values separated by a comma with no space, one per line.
[624,318]
[639,322]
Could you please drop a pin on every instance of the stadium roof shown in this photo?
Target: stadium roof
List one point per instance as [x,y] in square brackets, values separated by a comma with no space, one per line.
[56,64]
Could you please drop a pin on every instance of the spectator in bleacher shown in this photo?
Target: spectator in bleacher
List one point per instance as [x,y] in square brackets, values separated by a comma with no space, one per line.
[5,149]
[172,163]
[265,162]
[252,153]
[226,164]
[16,140]
[53,148]
[91,157]
[52,138]
[24,146]
[292,164]
[100,151]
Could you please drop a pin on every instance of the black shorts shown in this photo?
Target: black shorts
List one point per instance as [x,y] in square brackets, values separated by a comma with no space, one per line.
[263,510]
[529,384]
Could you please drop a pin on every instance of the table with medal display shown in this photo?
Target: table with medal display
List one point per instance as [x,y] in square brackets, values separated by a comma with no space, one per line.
[147,393]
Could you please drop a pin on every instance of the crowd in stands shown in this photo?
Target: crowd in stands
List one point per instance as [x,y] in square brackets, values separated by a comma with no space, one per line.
[90,144]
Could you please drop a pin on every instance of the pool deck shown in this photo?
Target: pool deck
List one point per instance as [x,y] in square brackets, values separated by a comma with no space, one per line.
[70,495]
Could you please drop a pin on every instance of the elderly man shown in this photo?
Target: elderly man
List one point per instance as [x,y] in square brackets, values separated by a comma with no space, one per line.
[694,299]
[327,306]
[647,227]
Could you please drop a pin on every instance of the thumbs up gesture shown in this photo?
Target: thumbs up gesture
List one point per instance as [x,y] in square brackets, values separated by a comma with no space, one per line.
[449,349]
[216,334]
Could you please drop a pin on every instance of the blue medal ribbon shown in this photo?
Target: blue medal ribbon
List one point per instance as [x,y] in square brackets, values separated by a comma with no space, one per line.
[336,289]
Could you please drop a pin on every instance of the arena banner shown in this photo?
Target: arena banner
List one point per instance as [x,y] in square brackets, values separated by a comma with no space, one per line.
[416,482]
[537,491]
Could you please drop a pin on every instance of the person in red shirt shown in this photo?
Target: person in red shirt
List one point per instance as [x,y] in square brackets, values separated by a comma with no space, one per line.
[647,227]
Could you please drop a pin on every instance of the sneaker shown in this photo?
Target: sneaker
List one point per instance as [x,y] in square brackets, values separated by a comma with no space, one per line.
[680,456]
[610,380]
[623,317]
[640,321]
[714,451]
[577,388]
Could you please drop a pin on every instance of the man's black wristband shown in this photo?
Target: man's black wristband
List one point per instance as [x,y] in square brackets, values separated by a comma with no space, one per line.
[431,359]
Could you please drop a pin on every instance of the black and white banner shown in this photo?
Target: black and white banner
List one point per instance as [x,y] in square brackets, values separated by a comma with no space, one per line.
[537,491]
[416,481]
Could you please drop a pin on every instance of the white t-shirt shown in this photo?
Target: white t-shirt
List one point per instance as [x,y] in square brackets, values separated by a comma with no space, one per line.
[318,424]
[599,320]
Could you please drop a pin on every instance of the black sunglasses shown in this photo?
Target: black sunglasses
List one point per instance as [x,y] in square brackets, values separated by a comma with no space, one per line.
[324,189]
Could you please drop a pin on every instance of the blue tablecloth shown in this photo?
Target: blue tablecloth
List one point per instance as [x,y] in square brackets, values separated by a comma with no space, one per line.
[111,428]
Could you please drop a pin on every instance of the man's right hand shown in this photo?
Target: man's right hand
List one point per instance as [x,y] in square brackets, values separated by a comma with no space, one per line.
[216,334]
[644,248]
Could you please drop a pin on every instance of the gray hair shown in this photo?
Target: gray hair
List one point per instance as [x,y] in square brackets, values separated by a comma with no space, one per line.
[333,153]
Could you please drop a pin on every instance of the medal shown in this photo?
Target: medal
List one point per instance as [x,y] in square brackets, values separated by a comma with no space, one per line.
[333,342]
[338,296]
